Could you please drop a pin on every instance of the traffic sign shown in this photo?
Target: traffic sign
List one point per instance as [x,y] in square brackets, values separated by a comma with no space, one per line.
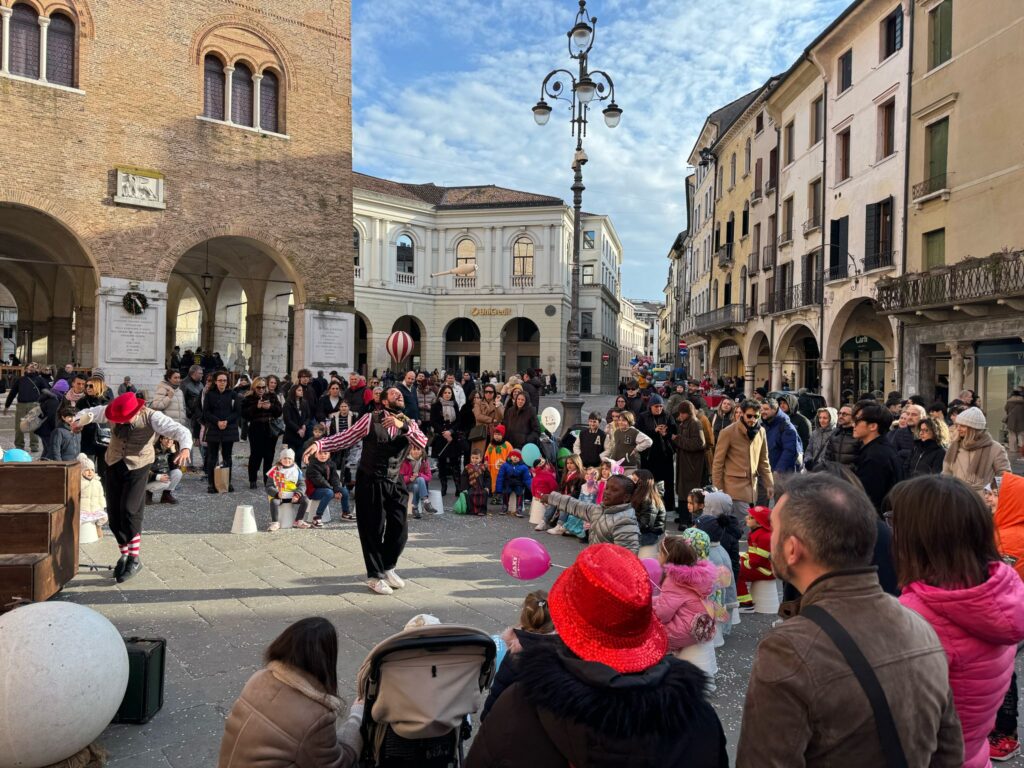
[684,352]
[682,345]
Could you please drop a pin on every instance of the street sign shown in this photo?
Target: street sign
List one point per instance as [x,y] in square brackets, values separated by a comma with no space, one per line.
[682,345]
[684,352]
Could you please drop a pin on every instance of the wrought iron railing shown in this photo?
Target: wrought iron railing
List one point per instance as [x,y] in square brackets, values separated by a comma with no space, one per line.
[769,186]
[723,317]
[753,264]
[786,237]
[879,260]
[768,258]
[794,297]
[998,276]
[812,223]
[929,186]
[755,196]
[836,272]
[724,254]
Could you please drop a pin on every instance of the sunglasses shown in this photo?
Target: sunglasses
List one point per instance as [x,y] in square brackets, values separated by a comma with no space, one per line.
[258,389]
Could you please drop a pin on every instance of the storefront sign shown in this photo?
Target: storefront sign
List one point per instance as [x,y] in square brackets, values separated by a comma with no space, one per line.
[491,311]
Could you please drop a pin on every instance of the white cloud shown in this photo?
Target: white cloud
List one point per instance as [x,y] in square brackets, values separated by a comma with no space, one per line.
[443,91]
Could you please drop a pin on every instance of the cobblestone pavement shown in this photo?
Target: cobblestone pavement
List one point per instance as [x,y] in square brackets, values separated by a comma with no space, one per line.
[219,599]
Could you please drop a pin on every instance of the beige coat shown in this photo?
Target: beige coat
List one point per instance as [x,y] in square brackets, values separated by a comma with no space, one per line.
[487,414]
[169,400]
[977,467]
[284,719]
[740,463]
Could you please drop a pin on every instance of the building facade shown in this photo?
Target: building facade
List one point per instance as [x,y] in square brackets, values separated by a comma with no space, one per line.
[632,336]
[208,165]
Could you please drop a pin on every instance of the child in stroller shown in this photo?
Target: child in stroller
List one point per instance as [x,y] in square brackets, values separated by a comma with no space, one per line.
[420,687]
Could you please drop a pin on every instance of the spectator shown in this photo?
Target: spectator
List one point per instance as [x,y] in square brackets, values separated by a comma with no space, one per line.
[823,536]
[164,474]
[784,446]
[319,384]
[65,445]
[1015,421]
[458,393]
[590,443]
[790,404]
[974,456]
[323,478]
[902,438]
[287,714]
[878,467]
[928,454]
[690,443]
[602,692]
[634,400]
[296,416]
[169,398]
[723,416]
[126,386]
[26,389]
[741,467]
[49,402]
[817,446]
[694,396]
[937,411]
[951,573]
[220,417]
[842,446]
[659,427]
[407,386]
[532,387]
[520,420]
[625,443]
[262,409]
[613,521]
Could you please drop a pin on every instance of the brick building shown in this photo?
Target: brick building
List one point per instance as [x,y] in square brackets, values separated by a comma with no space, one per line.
[123,172]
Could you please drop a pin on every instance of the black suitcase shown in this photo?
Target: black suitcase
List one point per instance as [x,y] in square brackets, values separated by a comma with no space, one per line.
[145,694]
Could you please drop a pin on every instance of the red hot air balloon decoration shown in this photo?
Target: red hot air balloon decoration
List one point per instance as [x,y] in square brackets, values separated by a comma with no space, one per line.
[399,346]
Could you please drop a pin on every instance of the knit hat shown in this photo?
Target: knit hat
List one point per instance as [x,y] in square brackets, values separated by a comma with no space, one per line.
[86,463]
[286,453]
[973,417]
[763,515]
[515,455]
[61,387]
[500,429]
[123,408]
[717,503]
[655,400]
[601,607]
[699,540]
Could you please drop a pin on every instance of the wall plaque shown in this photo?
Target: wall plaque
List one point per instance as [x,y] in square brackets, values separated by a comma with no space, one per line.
[139,187]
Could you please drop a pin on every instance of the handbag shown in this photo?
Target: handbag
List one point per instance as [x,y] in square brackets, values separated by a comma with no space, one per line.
[277,426]
[32,420]
[895,757]
[478,433]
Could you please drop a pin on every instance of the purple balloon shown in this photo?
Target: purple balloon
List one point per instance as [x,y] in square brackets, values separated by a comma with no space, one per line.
[525,559]
[654,571]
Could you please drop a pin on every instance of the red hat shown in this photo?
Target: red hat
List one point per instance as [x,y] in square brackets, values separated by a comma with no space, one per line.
[500,429]
[763,515]
[516,454]
[123,408]
[601,607]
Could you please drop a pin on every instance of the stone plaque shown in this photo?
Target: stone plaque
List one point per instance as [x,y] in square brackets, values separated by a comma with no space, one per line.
[332,338]
[139,187]
[130,338]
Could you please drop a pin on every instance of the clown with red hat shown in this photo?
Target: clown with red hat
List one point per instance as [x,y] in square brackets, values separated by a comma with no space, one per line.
[129,456]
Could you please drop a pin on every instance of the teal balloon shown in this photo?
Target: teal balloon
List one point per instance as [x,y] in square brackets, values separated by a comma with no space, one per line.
[530,454]
[15,455]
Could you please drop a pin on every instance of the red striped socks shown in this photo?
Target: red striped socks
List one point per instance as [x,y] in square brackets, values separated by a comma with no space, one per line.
[133,546]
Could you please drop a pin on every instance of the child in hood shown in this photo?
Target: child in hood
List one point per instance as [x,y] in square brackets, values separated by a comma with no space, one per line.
[514,477]
[496,454]
[755,563]
[717,506]
[684,605]
[724,595]
[289,484]
[92,501]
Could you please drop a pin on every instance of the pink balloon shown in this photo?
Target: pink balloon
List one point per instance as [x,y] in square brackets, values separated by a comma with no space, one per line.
[654,571]
[525,559]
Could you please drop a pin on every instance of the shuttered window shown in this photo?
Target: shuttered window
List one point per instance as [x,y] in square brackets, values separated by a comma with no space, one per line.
[241,95]
[845,71]
[60,51]
[213,88]
[268,102]
[940,34]
[892,33]
[24,59]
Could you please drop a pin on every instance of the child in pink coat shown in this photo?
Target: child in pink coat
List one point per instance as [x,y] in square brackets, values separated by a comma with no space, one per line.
[684,605]
[415,475]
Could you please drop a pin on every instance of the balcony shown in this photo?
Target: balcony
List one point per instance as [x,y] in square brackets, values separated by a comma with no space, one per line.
[770,186]
[998,278]
[405,278]
[358,272]
[838,271]
[718,319]
[768,258]
[786,237]
[724,256]
[812,224]
[522,281]
[465,282]
[755,196]
[929,189]
[795,297]
[880,260]
[753,265]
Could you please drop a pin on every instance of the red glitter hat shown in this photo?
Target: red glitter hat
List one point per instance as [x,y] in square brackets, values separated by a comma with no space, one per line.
[123,408]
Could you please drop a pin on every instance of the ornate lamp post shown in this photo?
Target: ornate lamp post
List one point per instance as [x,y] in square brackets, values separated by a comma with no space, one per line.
[580,90]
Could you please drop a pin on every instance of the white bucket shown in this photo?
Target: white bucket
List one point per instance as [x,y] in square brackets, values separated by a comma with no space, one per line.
[735,620]
[719,639]
[245,520]
[286,515]
[88,533]
[437,501]
[536,512]
[766,596]
[702,656]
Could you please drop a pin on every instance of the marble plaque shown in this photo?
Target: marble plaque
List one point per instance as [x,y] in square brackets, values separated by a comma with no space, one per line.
[331,340]
[130,338]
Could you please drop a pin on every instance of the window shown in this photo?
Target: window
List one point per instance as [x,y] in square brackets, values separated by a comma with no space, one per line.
[24,31]
[789,133]
[589,238]
[721,182]
[746,158]
[934,250]
[817,120]
[60,51]
[268,102]
[213,88]
[758,177]
[940,34]
[892,33]
[936,146]
[522,257]
[241,95]
[787,221]
[759,122]
[814,204]
[845,71]
[887,128]
[843,156]
[404,256]
[878,235]
[745,220]
[732,171]
[355,246]
[588,274]
[587,325]
[465,253]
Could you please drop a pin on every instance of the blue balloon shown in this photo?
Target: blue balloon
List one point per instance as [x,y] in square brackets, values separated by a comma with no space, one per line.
[15,455]
[530,454]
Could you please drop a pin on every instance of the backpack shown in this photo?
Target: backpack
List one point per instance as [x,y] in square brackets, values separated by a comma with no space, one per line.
[32,420]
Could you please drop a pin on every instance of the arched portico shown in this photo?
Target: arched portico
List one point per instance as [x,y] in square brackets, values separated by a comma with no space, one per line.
[797,358]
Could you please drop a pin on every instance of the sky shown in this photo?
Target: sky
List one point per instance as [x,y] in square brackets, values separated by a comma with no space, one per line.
[443,91]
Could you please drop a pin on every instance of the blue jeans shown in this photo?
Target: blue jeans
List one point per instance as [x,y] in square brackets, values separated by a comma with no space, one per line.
[418,489]
[324,496]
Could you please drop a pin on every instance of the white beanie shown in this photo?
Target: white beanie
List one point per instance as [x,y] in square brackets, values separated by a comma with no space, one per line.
[286,453]
[86,462]
[973,417]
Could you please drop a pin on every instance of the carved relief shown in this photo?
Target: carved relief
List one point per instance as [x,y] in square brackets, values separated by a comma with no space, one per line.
[138,187]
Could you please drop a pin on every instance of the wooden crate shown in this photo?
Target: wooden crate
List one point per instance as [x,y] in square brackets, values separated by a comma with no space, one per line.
[31,577]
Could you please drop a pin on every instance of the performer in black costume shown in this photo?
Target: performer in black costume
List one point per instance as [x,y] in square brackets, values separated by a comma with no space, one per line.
[381,499]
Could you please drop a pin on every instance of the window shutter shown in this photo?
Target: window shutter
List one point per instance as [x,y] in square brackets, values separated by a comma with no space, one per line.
[871,247]
[241,95]
[757,175]
[60,51]
[885,224]
[24,31]
[268,102]
[844,238]
[899,28]
[213,88]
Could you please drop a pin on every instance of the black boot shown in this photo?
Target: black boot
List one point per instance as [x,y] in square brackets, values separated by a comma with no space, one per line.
[133,566]
[149,497]
[167,498]
[122,563]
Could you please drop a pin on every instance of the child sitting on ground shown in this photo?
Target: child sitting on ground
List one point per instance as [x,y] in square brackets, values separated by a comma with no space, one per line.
[289,484]
[544,481]
[694,505]
[415,474]
[324,483]
[572,483]
[534,624]
[604,472]
[476,482]
[611,522]
[92,501]
[755,563]
[514,477]
[588,491]
[164,474]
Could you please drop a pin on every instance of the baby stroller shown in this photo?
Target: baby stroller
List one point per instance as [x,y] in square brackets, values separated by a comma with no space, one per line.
[420,687]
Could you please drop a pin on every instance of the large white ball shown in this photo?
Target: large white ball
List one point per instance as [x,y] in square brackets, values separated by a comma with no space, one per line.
[63,674]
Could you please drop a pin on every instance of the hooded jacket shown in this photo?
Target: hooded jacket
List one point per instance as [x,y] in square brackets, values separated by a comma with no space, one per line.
[565,711]
[683,605]
[608,524]
[925,459]
[512,474]
[784,446]
[818,443]
[979,628]
[718,509]
[800,422]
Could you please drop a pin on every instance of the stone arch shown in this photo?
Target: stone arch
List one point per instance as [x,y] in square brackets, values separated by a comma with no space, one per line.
[72,225]
[838,328]
[458,237]
[785,339]
[201,43]
[521,233]
[78,10]
[754,344]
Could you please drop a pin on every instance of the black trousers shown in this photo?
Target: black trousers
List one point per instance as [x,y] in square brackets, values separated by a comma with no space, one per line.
[382,522]
[126,499]
[262,443]
[1006,715]
[212,448]
[448,466]
[664,472]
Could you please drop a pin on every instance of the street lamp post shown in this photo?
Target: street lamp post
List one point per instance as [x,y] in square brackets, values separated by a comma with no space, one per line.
[580,90]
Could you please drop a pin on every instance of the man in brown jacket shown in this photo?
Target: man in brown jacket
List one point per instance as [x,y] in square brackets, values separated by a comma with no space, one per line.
[804,704]
[741,461]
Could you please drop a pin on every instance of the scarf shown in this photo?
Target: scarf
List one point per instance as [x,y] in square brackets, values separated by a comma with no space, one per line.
[448,410]
[752,431]
[73,397]
[974,443]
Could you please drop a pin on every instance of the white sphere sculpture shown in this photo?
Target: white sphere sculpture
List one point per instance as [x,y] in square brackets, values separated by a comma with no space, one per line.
[63,675]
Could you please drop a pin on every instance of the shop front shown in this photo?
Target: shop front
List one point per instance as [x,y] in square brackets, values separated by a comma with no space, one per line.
[862,365]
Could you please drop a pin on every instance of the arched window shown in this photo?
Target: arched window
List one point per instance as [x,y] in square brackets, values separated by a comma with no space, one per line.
[268,102]
[522,257]
[746,158]
[24,57]
[213,88]
[465,253]
[732,171]
[404,253]
[241,95]
[60,51]
[355,246]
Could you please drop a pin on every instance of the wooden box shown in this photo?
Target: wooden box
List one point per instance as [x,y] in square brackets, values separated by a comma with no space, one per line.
[31,577]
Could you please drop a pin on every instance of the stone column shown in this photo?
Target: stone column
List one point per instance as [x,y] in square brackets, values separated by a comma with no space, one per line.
[256,80]
[228,72]
[254,338]
[749,384]
[59,348]
[44,25]
[776,380]
[827,383]
[956,370]
[85,336]
[324,338]
[5,39]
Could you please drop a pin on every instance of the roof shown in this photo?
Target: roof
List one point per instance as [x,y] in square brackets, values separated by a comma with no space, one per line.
[727,115]
[453,198]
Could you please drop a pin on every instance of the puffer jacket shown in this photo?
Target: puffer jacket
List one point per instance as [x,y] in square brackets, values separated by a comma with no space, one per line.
[651,519]
[284,719]
[608,525]
[842,447]
[979,628]
[902,441]
[925,459]
[818,444]
[784,446]
[512,474]
[170,400]
[684,603]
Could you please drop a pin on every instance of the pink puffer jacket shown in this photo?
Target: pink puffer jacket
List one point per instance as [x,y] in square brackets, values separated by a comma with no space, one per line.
[684,599]
[979,629]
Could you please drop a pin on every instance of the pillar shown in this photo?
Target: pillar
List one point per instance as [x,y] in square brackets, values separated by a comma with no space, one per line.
[324,338]
[44,25]
[956,370]
[5,39]
[228,73]
[776,380]
[749,384]
[269,340]
[827,383]
[85,336]
[256,80]
[60,349]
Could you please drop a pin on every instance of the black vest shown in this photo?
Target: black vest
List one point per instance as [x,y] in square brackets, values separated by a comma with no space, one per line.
[591,446]
[382,454]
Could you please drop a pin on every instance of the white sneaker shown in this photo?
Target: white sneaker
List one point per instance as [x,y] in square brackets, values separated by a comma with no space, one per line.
[393,579]
[379,586]
[540,527]
[558,530]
